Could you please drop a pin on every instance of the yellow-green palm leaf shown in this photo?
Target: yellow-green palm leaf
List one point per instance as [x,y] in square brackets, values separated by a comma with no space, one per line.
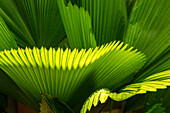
[65,74]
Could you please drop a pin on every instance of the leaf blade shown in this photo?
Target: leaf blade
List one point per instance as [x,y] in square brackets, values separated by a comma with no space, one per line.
[77,24]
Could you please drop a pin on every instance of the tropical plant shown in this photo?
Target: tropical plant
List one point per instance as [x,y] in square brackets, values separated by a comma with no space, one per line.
[66,56]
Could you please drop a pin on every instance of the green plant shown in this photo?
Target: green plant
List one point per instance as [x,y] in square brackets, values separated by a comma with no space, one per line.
[68,53]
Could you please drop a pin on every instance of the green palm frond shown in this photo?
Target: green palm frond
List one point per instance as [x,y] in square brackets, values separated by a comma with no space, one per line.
[78,67]
[78,27]
[161,65]
[7,86]
[149,28]
[10,14]
[34,23]
[6,38]
[63,73]
[109,18]
[151,83]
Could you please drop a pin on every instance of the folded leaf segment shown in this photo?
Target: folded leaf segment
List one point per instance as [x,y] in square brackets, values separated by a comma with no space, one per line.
[151,83]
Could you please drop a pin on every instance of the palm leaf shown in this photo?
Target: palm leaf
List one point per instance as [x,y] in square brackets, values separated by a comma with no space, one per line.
[151,83]
[6,39]
[161,65]
[37,23]
[7,86]
[34,23]
[77,24]
[149,28]
[10,14]
[109,18]
[63,73]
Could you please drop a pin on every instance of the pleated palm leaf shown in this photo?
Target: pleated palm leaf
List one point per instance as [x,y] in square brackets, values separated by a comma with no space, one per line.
[39,66]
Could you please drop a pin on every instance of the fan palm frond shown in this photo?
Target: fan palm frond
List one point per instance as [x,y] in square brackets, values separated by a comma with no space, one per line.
[63,73]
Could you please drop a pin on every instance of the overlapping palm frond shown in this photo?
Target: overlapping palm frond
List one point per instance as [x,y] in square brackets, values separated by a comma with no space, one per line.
[6,38]
[77,24]
[93,61]
[64,73]
[149,28]
[7,86]
[34,23]
[151,83]
[109,18]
